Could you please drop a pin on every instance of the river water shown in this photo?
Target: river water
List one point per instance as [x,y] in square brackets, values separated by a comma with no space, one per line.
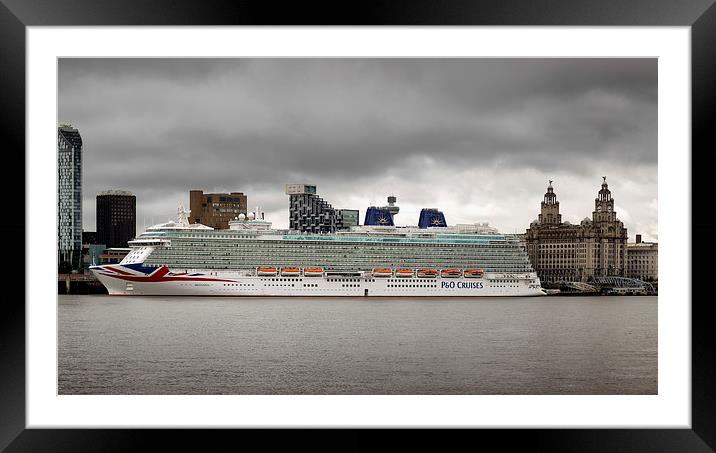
[543,345]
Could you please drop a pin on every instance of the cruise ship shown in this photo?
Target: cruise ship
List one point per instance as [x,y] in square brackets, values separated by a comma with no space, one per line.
[253,259]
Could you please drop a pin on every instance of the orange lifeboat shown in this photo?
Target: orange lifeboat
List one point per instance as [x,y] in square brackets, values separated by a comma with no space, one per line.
[313,272]
[474,273]
[404,273]
[382,273]
[427,273]
[266,271]
[451,273]
[290,271]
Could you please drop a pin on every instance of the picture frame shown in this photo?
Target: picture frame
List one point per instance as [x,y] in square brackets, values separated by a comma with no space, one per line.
[16,15]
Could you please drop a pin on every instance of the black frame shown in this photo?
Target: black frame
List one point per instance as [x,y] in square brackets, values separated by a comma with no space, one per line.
[15,15]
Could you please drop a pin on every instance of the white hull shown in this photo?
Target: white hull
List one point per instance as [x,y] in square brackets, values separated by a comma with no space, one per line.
[218,283]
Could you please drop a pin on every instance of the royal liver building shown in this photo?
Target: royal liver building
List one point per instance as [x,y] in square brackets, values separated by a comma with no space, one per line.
[562,252]
[69,197]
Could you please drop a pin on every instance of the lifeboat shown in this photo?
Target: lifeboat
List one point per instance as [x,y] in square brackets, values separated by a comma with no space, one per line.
[427,273]
[290,271]
[474,273]
[404,273]
[451,273]
[313,272]
[382,272]
[266,271]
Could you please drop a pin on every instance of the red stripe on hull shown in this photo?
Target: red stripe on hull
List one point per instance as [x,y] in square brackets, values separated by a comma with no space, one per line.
[114,269]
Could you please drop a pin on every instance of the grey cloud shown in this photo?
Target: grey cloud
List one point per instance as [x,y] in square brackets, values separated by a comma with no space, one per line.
[160,127]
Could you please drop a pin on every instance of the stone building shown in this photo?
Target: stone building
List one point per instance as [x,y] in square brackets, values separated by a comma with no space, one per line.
[563,252]
[216,209]
[643,260]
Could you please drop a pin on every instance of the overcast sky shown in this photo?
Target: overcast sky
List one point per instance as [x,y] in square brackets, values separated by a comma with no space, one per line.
[477,138]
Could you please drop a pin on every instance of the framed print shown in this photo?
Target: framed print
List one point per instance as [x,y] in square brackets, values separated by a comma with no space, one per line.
[456,117]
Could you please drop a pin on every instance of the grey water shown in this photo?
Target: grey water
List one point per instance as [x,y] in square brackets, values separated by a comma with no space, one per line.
[323,346]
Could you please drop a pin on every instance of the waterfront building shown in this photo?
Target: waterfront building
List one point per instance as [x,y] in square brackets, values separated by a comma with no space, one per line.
[349,216]
[309,213]
[69,197]
[643,260]
[116,217]
[563,252]
[216,209]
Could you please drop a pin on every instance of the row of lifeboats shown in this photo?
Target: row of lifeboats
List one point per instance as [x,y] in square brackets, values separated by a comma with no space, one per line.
[428,273]
[380,273]
[289,272]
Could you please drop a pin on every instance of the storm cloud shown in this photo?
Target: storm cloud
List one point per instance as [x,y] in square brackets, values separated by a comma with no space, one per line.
[478,138]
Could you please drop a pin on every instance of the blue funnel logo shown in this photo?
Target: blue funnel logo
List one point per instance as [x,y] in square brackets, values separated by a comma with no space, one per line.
[431,218]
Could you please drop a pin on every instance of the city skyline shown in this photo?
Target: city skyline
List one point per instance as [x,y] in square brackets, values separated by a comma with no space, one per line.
[477,138]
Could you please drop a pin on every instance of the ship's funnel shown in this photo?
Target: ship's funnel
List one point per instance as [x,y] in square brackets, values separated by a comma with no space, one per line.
[378,216]
[431,217]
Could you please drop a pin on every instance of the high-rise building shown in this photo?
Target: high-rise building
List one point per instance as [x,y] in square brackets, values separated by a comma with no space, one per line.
[349,216]
[215,209]
[562,252]
[309,213]
[643,260]
[116,218]
[69,197]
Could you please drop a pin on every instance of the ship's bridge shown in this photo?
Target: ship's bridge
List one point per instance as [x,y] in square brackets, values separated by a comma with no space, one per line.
[148,242]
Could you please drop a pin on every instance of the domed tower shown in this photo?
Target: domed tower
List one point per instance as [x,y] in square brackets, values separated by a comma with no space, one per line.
[550,208]
[604,205]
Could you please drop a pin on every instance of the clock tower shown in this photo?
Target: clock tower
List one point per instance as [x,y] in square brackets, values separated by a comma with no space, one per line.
[604,205]
[550,208]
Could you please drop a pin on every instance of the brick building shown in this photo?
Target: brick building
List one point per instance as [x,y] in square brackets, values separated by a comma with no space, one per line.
[215,209]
